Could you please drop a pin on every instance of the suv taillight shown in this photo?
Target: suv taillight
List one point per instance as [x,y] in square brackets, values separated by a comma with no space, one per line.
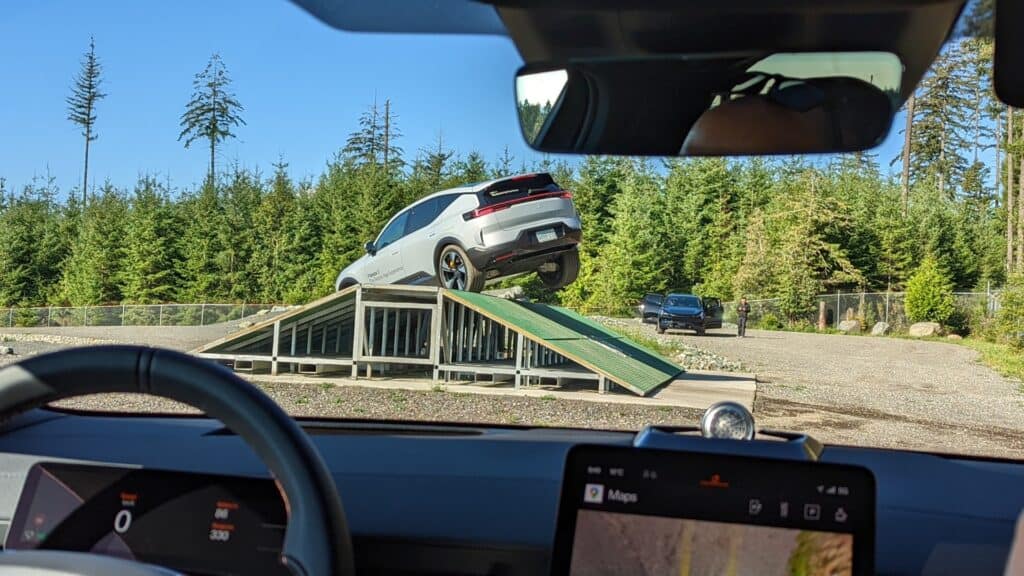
[492,208]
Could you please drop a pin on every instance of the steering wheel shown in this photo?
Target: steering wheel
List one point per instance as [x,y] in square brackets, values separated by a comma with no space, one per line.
[316,542]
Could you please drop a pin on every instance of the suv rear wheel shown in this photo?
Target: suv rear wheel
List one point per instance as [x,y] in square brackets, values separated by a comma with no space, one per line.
[455,271]
[568,269]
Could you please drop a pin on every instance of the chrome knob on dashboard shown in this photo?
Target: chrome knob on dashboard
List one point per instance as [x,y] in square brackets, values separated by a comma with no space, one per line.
[727,420]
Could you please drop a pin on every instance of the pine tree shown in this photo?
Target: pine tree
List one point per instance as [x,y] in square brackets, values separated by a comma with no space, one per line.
[240,201]
[895,250]
[149,265]
[213,112]
[85,94]
[435,165]
[702,195]
[200,246]
[757,274]
[473,168]
[635,260]
[942,121]
[271,223]
[504,165]
[302,267]
[375,142]
[23,277]
[93,270]
[930,293]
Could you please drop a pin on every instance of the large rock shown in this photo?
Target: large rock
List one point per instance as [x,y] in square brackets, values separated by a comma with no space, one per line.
[925,329]
[880,329]
[5,350]
[849,326]
[955,337]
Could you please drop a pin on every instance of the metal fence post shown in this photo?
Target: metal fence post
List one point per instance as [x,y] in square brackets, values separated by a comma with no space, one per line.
[836,319]
[85,316]
[202,315]
[887,306]
[122,314]
[49,312]
[10,317]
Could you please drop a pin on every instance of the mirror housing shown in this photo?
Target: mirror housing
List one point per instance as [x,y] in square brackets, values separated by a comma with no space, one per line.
[711,104]
[1009,52]
[370,248]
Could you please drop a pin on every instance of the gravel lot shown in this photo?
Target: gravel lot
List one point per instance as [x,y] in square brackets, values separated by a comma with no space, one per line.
[842,389]
[891,392]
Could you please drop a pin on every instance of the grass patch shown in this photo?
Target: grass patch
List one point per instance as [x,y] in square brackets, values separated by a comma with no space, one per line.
[999,357]
[438,388]
[548,397]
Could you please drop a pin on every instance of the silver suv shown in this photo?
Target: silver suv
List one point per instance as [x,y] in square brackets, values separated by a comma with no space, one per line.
[464,237]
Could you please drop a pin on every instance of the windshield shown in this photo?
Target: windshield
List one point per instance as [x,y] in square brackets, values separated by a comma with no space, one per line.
[216,185]
[683,301]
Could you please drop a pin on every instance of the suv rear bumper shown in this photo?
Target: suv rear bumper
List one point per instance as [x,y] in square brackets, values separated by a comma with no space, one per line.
[525,252]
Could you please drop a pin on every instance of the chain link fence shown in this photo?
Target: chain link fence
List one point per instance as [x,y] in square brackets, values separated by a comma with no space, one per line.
[128,315]
[867,307]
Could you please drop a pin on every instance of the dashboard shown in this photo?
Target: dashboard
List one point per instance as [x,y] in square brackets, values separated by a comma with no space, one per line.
[192,523]
[430,499]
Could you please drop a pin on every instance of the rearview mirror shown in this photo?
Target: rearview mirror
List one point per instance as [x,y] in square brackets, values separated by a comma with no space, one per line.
[786,103]
[370,248]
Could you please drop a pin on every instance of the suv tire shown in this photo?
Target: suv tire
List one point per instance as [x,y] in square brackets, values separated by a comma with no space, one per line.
[568,270]
[456,271]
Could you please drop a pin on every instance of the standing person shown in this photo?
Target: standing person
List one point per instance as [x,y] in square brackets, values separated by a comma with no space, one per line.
[742,309]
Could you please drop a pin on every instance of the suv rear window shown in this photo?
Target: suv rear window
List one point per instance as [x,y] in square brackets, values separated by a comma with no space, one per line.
[518,187]
[653,299]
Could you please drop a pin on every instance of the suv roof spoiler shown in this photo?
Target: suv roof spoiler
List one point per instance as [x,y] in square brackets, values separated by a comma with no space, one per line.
[529,181]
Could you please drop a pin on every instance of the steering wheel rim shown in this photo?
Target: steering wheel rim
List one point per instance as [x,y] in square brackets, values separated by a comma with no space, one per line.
[317,540]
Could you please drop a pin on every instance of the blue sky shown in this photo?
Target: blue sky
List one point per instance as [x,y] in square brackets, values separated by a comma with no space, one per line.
[302,83]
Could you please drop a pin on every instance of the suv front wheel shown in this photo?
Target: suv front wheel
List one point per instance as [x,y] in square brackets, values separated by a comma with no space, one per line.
[568,269]
[456,271]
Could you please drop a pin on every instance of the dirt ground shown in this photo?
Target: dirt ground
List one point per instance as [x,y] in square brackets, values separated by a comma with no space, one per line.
[891,392]
[856,390]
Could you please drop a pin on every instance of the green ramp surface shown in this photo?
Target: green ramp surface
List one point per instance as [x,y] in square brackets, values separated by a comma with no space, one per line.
[579,339]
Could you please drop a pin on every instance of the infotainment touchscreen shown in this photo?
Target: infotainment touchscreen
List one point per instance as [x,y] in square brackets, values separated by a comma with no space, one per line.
[653,512]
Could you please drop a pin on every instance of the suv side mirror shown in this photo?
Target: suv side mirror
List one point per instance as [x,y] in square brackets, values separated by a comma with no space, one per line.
[370,248]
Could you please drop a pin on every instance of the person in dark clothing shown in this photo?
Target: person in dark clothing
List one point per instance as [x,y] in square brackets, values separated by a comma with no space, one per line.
[742,310]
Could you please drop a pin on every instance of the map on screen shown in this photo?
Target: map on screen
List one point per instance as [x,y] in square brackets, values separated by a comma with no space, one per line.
[615,543]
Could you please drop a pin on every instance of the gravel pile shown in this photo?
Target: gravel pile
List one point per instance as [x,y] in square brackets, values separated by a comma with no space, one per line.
[53,339]
[685,354]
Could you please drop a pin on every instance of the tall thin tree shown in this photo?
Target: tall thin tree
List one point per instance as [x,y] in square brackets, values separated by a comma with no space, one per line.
[213,110]
[85,93]
[908,134]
